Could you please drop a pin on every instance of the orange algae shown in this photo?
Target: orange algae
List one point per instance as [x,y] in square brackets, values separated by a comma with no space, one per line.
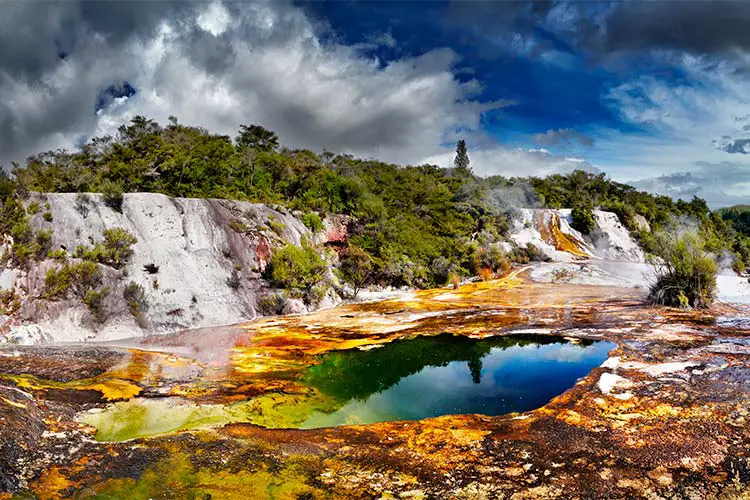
[566,242]
[111,389]
[51,484]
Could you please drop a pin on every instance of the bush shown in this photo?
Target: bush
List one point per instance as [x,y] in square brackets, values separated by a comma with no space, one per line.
[490,260]
[112,194]
[135,296]
[529,253]
[83,201]
[355,268]
[276,226]
[297,269]
[44,243]
[79,278]
[238,226]
[87,276]
[57,283]
[272,304]
[9,302]
[313,222]
[117,246]
[151,268]
[442,270]
[59,255]
[583,219]
[685,273]
[47,216]
[235,280]
[33,208]
[94,300]
[115,251]
[22,254]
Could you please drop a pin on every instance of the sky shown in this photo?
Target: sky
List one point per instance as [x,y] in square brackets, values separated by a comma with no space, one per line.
[652,93]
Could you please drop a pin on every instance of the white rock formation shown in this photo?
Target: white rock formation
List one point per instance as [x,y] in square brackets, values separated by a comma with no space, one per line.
[547,228]
[197,245]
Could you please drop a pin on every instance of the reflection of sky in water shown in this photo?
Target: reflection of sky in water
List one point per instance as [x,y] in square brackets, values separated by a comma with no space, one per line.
[518,378]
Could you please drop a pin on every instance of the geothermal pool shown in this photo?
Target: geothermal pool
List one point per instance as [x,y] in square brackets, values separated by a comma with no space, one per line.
[403,380]
[443,375]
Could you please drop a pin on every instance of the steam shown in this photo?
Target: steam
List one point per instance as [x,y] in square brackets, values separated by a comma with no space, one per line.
[519,194]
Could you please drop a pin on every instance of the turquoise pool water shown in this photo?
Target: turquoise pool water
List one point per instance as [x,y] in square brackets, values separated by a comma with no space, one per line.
[432,376]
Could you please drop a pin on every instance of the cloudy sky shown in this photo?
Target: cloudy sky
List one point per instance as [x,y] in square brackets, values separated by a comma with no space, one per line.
[654,93]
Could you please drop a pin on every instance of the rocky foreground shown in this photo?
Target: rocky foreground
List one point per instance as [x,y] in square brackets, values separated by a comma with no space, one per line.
[666,416]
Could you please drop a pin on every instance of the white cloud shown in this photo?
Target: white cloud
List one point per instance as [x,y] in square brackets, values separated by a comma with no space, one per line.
[517,162]
[690,127]
[225,65]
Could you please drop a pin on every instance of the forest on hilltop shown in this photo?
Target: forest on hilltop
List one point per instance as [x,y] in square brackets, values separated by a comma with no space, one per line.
[414,225]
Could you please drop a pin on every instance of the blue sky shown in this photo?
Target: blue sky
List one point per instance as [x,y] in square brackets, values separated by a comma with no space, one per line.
[649,92]
[569,97]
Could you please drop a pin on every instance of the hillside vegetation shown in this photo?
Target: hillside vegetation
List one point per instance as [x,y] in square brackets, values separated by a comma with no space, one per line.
[413,225]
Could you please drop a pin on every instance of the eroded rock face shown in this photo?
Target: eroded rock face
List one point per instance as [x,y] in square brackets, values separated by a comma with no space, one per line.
[187,253]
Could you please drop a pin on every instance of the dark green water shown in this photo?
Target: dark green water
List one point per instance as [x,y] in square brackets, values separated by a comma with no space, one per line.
[432,376]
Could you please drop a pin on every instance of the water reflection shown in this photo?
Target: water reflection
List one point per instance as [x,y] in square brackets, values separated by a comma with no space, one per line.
[431,376]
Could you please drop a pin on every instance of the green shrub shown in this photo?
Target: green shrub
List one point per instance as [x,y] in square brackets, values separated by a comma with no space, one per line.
[117,246]
[86,276]
[491,258]
[685,273]
[272,304]
[529,253]
[112,194]
[135,296]
[238,226]
[23,254]
[355,268]
[276,226]
[33,208]
[297,269]
[57,283]
[79,278]
[443,270]
[9,302]
[583,219]
[313,222]
[94,300]
[47,216]
[44,243]
[59,255]
[114,251]
[96,253]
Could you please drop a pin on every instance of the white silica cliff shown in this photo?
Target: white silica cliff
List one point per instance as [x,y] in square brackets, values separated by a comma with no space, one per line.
[198,262]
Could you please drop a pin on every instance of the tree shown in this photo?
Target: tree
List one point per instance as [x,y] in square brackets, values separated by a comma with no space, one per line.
[297,269]
[461,162]
[257,137]
[355,268]
[583,219]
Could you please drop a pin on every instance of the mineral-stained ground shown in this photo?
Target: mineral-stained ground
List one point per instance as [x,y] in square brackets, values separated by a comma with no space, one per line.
[212,413]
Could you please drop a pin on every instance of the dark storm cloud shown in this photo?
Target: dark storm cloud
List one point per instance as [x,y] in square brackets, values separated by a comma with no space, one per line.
[695,26]
[64,67]
[214,54]
[737,146]
[602,28]
[563,137]
[36,36]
